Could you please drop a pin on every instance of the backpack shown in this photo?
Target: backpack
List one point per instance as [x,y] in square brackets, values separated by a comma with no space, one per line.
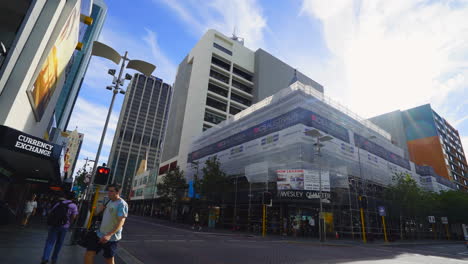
[59,215]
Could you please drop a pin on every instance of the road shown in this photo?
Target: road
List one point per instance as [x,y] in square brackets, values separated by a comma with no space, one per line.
[145,241]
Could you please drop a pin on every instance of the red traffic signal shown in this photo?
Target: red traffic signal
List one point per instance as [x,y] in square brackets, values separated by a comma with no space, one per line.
[102,175]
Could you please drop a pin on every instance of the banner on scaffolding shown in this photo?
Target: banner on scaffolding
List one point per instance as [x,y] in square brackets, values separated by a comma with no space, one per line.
[300,179]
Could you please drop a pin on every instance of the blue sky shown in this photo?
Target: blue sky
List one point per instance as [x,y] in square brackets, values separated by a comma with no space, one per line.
[372,56]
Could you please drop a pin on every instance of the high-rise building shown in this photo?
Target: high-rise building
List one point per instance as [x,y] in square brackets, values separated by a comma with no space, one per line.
[140,129]
[78,65]
[428,139]
[218,79]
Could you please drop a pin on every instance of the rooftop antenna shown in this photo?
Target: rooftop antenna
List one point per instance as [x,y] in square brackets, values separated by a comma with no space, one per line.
[294,79]
[237,38]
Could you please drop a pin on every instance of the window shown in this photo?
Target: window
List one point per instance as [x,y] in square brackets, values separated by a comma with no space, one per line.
[240,99]
[216,104]
[214,118]
[223,49]
[217,90]
[242,73]
[220,63]
[205,127]
[220,77]
[234,110]
[241,86]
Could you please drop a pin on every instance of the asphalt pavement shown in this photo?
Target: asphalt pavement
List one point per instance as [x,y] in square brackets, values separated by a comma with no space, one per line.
[148,240]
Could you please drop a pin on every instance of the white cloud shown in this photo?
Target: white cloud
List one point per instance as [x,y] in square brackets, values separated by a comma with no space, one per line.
[89,118]
[164,66]
[246,16]
[393,54]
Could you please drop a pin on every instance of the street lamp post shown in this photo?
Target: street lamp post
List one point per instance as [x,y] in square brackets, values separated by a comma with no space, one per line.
[319,139]
[101,50]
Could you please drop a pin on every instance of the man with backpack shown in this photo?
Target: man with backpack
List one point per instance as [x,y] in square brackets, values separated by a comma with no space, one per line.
[60,217]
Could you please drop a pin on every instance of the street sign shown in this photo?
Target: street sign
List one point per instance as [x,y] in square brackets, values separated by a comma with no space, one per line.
[382,211]
[431,219]
[444,220]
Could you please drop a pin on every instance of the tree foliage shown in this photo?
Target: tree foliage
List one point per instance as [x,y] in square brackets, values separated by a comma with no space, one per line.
[407,199]
[173,185]
[215,182]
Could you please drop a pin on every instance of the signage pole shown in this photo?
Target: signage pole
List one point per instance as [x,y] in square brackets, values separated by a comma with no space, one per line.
[384,229]
[447,231]
[264,221]
[364,239]
[93,207]
[433,230]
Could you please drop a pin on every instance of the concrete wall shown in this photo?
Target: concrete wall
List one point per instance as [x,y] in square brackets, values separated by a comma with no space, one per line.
[187,110]
[393,123]
[272,75]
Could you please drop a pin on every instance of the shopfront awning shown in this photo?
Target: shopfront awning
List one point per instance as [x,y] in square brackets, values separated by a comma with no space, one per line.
[25,158]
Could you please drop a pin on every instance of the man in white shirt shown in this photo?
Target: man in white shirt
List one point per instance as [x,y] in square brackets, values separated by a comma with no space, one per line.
[110,231]
[29,209]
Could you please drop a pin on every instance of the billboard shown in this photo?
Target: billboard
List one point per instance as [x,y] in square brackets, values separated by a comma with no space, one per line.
[45,84]
[302,184]
[308,180]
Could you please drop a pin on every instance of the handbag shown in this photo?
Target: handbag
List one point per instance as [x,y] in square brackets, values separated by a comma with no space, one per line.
[86,236]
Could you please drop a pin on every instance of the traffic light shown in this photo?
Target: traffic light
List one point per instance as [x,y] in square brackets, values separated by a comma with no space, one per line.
[102,175]
[267,198]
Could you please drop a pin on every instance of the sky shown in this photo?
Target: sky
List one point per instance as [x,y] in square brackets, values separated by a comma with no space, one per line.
[372,56]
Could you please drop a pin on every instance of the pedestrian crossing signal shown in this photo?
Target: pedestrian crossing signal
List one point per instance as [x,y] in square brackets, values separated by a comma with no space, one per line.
[102,175]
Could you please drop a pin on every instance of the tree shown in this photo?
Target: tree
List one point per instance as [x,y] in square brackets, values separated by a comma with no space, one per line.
[214,183]
[173,188]
[454,205]
[405,199]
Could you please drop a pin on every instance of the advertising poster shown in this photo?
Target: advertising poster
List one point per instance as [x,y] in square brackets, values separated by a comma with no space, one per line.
[46,82]
[302,184]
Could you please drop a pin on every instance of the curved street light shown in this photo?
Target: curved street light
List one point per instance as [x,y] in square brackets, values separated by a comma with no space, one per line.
[102,50]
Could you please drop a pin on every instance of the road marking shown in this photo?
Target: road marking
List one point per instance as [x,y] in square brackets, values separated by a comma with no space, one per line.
[177,240]
[463,253]
[154,240]
[196,240]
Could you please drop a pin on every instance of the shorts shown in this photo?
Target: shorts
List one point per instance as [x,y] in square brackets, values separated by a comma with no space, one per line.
[109,248]
[27,214]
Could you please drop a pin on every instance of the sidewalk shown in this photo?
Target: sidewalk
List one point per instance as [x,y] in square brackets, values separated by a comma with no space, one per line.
[328,242]
[25,246]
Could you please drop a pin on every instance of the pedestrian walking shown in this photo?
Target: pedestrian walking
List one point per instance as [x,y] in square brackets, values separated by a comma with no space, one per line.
[196,222]
[110,230]
[29,210]
[61,216]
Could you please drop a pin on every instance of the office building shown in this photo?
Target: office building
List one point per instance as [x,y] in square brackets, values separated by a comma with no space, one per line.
[216,80]
[428,139]
[140,129]
[78,66]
